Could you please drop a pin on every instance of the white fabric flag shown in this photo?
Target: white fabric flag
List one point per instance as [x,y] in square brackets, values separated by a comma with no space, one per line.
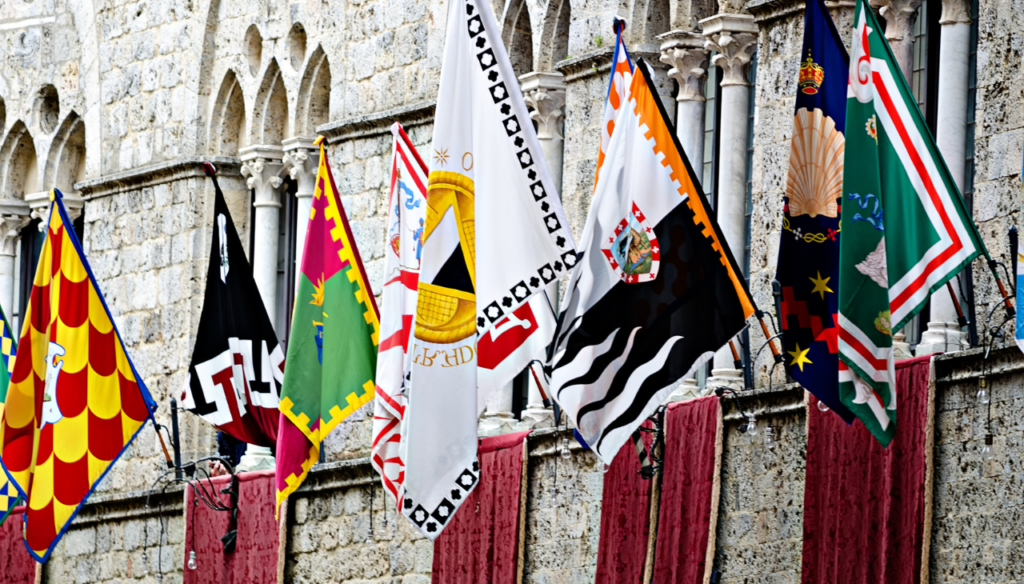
[407,209]
[495,237]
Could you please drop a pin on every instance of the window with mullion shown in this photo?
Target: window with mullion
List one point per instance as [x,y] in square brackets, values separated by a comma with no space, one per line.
[924,84]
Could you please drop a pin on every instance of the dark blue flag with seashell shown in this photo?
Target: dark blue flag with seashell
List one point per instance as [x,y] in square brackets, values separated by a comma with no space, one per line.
[808,269]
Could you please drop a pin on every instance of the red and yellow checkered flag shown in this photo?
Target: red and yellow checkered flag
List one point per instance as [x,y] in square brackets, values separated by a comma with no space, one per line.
[75,401]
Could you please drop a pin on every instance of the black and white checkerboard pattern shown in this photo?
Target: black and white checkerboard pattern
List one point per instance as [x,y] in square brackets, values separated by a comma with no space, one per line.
[513,125]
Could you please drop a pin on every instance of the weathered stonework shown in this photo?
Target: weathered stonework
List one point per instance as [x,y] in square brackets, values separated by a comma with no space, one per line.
[118,102]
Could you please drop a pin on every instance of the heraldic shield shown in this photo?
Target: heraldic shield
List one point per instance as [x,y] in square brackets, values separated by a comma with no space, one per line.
[632,250]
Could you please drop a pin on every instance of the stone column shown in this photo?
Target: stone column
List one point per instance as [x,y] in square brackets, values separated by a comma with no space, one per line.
[944,334]
[733,37]
[13,217]
[302,159]
[684,53]
[899,18]
[262,166]
[545,93]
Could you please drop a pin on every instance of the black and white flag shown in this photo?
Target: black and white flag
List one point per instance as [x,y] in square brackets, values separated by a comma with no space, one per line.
[237,366]
[657,291]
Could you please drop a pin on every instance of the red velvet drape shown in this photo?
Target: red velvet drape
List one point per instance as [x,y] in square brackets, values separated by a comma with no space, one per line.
[481,544]
[688,492]
[16,566]
[254,560]
[864,506]
[625,519]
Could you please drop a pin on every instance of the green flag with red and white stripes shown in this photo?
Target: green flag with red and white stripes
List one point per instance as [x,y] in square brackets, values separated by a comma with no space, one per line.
[905,229]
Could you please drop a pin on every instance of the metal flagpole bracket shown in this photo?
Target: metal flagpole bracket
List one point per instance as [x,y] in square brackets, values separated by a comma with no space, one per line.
[655,456]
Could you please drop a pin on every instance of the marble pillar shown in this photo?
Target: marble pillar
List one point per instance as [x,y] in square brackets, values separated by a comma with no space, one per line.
[684,53]
[944,334]
[262,167]
[733,38]
[302,160]
[14,216]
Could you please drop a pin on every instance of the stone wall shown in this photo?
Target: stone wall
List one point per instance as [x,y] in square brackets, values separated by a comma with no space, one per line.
[976,530]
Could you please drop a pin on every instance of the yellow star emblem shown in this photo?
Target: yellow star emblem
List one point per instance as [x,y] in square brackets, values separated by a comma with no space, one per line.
[821,285]
[799,357]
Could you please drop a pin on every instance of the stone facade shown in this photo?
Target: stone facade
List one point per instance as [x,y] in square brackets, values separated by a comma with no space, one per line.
[117,102]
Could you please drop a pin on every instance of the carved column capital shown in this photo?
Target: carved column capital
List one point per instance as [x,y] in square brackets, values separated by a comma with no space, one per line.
[13,218]
[733,37]
[684,53]
[955,12]
[262,167]
[899,18]
[302,160]
[39,206]
[545,93]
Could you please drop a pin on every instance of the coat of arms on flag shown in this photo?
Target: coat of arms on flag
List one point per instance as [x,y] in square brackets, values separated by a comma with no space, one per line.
[632,249]
[494,238]
[71,361]
[237,364]
[406,216]
[624,343]
[905,229]
[332,350]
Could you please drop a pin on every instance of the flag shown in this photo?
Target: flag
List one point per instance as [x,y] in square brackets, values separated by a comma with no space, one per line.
[808,269]
[75,401]
[618,88]
[495,237]
[332,350]
[9,498]
[407,208]
[905,229]
[657,291]
[237,363]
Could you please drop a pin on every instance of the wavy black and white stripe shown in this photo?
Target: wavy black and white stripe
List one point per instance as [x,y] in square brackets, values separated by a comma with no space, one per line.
[622,348]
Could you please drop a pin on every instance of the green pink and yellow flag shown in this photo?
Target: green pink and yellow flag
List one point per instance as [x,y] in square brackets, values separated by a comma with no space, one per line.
[332,351]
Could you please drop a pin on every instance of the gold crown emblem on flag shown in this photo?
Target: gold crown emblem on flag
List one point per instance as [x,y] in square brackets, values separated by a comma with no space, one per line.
[811,76]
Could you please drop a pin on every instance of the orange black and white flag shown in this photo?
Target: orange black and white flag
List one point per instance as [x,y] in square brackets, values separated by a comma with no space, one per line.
[657,292]
[75,401]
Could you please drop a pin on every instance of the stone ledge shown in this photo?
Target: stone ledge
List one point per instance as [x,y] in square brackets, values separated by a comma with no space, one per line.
[131,505]
[154,174]
[599,62]
[769,10]
[377,124]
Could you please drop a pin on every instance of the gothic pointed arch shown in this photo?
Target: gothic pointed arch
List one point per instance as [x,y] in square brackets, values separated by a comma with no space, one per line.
[554,41]
[314,100]
[517,33]
[648,19]
[20,169]
[270,114]
[65,162]
[227,118]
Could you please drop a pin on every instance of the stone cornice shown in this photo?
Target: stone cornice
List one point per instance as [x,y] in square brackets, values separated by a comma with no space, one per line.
[769,10]
[599,62]
[155,174]
[379,123]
